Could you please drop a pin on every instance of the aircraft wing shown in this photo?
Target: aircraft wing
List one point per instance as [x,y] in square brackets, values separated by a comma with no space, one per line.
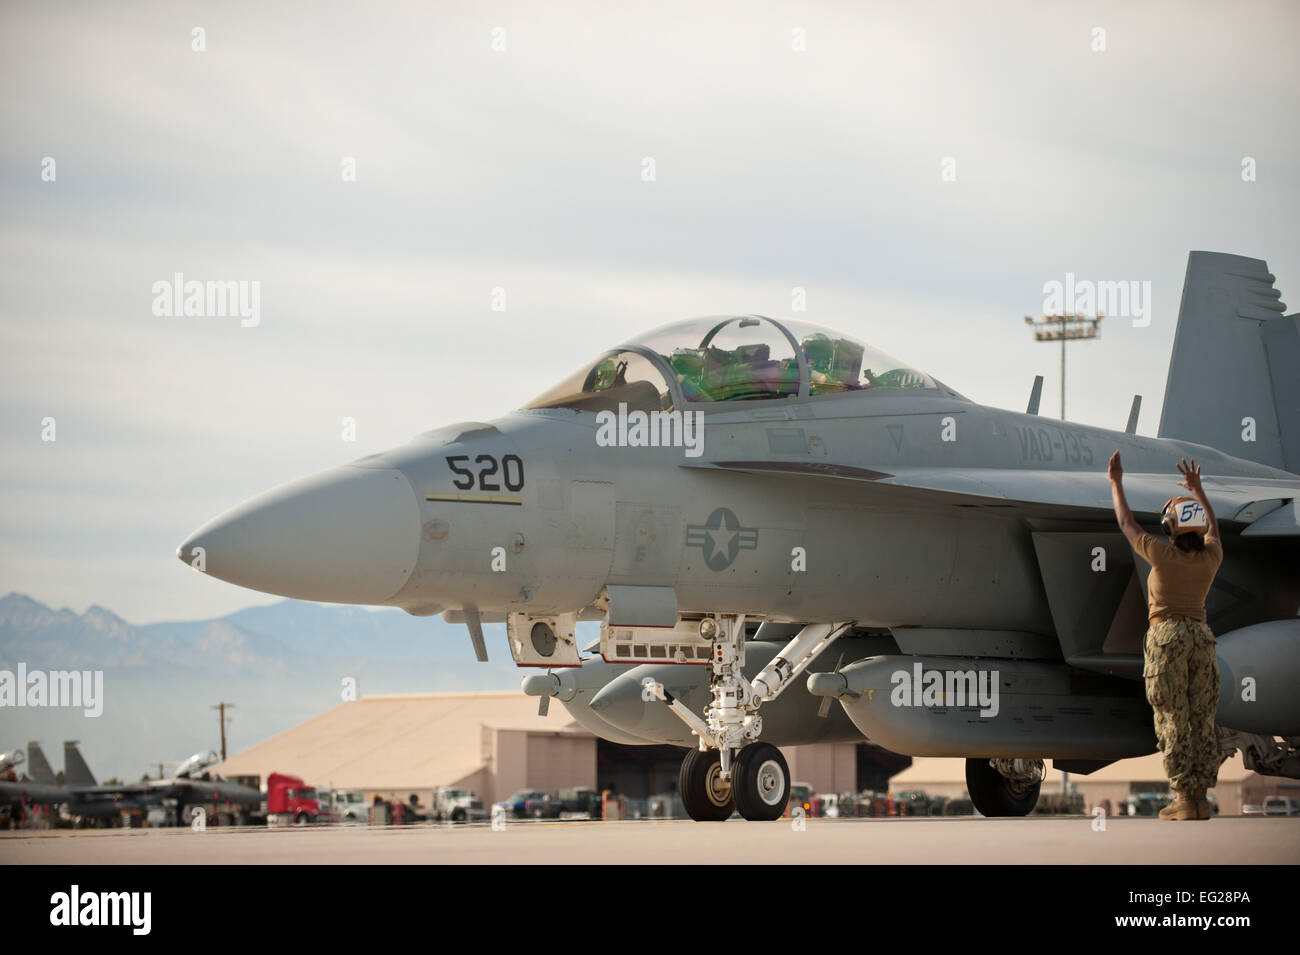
[124,791]
[13,793]
[206,789]
[1271,502]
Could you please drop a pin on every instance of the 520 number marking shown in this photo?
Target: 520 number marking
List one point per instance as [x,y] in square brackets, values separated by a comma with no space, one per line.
[511,470]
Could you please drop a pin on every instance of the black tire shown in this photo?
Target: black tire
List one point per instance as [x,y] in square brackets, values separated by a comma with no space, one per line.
[301,819]
[458,815]
[993,794]
[760,782]
[706,797]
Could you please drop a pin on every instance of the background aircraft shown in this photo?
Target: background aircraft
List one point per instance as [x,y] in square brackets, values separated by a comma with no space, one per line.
[79,794]
[83,797]
[840,493]
[191,785]
[39,789]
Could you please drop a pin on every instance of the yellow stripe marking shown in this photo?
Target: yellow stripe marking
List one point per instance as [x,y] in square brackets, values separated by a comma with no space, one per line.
[475,498]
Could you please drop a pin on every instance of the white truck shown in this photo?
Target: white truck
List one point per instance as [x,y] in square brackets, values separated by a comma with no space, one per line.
[350,806]
[457,805]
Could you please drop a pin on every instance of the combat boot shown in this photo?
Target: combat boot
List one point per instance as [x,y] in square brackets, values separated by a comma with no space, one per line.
[1181,808]
[1202,804]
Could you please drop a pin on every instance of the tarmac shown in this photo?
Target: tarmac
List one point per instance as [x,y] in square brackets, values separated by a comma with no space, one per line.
[1035,840]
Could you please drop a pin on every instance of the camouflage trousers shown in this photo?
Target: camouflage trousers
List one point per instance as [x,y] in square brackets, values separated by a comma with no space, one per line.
[1182,684]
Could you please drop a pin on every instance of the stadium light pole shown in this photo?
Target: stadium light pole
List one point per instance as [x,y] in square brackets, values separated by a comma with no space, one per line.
[1070,326]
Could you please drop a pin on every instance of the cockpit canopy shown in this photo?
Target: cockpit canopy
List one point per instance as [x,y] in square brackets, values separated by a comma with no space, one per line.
[745,358]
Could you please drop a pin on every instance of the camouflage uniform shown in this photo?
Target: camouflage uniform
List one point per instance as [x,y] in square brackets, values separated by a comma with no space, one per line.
[1182,678]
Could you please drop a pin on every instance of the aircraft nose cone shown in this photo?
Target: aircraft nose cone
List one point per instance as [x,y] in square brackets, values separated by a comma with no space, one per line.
[346,535]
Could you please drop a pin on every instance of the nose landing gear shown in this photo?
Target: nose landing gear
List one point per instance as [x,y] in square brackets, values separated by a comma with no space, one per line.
[730,769]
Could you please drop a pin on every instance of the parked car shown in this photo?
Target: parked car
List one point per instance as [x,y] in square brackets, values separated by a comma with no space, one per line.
[516,804]
[1281,806]
[567,803]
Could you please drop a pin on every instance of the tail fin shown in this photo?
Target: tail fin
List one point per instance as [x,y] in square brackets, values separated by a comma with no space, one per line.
[1232,380]
[38,767]
[75,770]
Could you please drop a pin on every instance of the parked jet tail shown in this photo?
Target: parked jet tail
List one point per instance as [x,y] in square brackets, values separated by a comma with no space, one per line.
[38,767]
[75,770]
[1232,380]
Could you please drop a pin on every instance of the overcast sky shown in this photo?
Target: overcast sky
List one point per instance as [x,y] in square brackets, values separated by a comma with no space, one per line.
[782,159]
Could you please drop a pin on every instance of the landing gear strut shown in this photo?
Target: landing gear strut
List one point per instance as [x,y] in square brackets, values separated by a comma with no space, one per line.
[730,768]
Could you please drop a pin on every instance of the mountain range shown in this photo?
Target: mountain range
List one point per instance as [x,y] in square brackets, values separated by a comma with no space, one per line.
[278,665]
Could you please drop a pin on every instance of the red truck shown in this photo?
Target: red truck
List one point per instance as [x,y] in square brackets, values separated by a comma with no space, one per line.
[290,800]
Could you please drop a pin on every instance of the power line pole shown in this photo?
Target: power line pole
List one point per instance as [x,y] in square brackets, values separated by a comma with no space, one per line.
[1063,328]
[222,708]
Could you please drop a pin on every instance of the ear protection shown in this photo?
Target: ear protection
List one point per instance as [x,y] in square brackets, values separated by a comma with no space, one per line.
[1183,514]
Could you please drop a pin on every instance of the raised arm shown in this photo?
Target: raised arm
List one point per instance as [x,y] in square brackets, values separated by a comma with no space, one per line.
[1123,514]
[1192,481]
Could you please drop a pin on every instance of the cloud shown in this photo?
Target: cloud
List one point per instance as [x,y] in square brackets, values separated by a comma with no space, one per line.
[522,170]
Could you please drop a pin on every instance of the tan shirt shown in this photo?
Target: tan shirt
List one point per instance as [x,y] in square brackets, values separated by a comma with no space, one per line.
[1179,579]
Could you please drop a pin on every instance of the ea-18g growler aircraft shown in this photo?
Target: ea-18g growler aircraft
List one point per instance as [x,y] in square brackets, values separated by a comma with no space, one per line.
[954,573]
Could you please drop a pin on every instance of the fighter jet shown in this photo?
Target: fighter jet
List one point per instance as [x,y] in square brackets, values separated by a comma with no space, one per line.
[39,789]
[83,797]
[80,796]
[192,785]
[720,471]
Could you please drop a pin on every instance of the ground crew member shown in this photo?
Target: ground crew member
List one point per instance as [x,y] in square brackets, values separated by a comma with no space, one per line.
[1180,671]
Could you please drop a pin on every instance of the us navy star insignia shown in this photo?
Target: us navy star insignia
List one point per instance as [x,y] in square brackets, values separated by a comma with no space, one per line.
[721,538]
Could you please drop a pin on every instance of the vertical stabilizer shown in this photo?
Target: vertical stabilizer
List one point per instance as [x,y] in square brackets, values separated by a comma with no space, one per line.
[75,770]
[1233,381]
[38,767]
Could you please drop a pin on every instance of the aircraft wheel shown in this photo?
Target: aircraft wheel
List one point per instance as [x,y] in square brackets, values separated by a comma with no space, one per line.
[760,782]
[994,795]
[705,794]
